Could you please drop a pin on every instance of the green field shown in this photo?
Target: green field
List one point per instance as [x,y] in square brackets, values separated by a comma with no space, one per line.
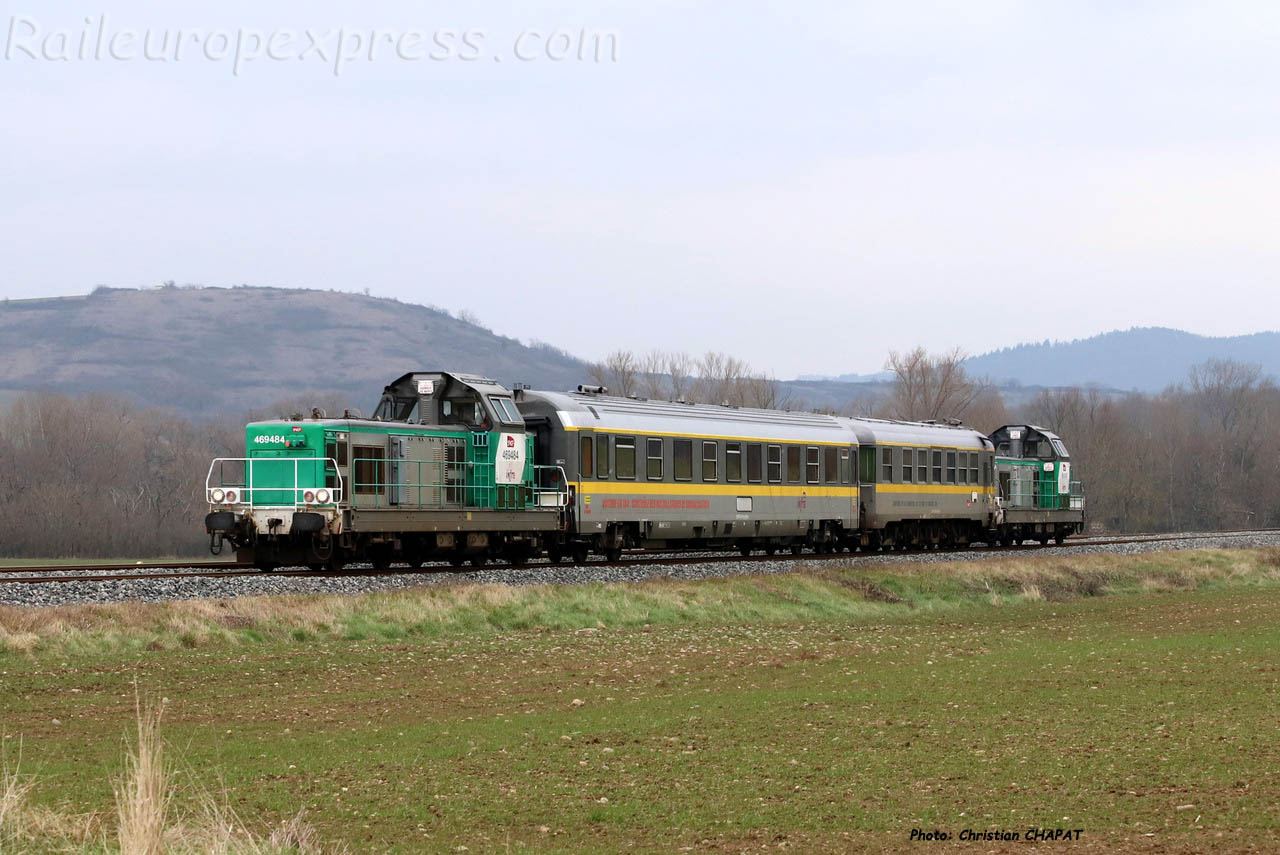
[1134,698]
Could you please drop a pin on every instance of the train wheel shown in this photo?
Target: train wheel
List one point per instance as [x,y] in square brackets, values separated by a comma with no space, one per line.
[770,549]
[479,560]
[744,549]
[580,553]
[554,555]
[613,553]
[797,548]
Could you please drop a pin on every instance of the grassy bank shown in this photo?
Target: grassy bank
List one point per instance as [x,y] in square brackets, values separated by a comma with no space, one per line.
[824,592]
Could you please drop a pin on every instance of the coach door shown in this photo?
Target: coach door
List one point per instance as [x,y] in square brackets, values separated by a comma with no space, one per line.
[584,472]
[866,484]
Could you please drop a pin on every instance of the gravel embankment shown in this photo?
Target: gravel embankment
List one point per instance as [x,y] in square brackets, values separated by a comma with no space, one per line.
[535,573]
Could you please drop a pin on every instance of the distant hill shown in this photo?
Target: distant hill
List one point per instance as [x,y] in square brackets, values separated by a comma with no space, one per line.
[1146,359]
[207,351]
[1143,358]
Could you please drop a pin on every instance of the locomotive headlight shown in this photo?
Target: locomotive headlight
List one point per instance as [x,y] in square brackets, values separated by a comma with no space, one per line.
[309,497]
[322,496]
[231,497]
[217,496]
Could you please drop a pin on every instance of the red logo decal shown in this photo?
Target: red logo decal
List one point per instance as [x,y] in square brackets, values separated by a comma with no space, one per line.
[511,442]
[297,429]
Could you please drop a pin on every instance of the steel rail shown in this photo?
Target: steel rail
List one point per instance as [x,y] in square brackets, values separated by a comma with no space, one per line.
[229,569]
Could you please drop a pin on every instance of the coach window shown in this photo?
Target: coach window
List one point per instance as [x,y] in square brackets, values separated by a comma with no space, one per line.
[962,473]
[951,467]
[586,455]
[907,469]
[973,467]
[811,465]
[793,464]
[709,461]
[886,465]
[754,467]
[937,467]
[733,462]
[775,464]
[846,476]
[602,457]
[866,464]
[922,466]
[624,452]
[986,472]
[830,466]
[682,459]
[653,457]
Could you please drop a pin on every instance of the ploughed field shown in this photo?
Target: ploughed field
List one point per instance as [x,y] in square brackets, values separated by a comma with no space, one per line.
[1136,698]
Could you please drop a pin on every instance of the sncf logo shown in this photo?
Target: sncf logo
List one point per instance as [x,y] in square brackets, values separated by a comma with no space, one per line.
[511,442]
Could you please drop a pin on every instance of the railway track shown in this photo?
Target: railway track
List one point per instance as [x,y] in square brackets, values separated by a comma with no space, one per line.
[61,573]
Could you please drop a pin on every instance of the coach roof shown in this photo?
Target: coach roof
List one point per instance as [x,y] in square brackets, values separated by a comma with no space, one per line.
[576,410]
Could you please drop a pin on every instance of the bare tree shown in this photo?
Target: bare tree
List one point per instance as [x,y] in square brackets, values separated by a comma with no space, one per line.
[652,380]
[930,387]
[679,366]
[617,372]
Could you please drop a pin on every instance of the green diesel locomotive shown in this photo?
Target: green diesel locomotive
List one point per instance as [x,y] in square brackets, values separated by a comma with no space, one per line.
[443,470]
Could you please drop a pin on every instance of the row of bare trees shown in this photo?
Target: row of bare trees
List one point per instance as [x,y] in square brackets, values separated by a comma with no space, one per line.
[97,476]
[713,378]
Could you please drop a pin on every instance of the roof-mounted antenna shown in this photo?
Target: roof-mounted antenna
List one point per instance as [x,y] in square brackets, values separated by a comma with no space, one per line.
[593,390]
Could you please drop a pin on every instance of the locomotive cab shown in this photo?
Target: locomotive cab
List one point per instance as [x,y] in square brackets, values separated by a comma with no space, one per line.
[1038,498]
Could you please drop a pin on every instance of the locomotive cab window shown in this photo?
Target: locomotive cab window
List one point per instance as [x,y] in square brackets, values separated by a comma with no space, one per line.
[506,410]
[462,411]
[586,457]
[653,457]
[682,459]
[733,462]
[775,464]
[624,450]
[709,461]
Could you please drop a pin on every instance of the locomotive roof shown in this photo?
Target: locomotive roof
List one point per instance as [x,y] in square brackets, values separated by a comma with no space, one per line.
[612,413]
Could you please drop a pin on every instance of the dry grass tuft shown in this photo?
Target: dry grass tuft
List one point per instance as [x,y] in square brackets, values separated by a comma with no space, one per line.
[147,823]
[142,794]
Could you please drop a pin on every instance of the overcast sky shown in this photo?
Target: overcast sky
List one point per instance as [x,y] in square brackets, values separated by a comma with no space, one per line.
[802,185]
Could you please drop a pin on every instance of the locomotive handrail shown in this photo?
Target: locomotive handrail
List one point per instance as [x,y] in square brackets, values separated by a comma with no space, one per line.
[473,485]
[295,496]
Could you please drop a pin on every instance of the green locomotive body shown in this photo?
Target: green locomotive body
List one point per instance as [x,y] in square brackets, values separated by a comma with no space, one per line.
[443,470]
